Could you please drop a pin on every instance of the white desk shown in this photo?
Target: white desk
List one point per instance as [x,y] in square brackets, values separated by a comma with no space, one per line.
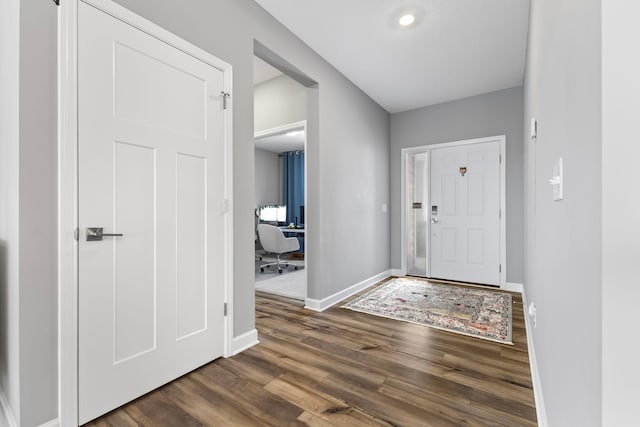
[292,230]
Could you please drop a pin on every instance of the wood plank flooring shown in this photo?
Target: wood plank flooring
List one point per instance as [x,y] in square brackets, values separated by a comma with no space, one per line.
[343,368]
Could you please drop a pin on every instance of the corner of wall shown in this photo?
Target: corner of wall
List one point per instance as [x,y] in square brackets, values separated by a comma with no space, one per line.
[331,300]
[6,414]
[244,342]
[541,412]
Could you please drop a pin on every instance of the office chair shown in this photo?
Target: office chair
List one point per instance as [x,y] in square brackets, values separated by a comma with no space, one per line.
[273,241]
[259,250]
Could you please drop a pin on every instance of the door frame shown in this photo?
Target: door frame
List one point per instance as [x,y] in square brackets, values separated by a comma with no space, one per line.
[405,152]
[68,232]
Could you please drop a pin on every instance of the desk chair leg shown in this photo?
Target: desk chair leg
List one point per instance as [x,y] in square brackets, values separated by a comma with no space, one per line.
[279,264]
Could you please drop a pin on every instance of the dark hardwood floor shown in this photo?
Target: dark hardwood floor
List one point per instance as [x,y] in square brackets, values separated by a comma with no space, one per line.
[348,369]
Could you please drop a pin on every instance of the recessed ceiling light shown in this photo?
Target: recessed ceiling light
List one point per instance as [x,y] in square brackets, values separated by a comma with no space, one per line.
[293,133]
[406,20]
[408,16]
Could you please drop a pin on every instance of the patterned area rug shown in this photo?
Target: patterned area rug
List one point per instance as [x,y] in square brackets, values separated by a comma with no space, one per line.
[468,311]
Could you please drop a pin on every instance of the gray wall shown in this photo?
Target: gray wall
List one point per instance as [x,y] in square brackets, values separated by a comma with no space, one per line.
[345,208]
[268,178]
[28,292]
[495,113]
[278,102]
[9,199]
[620,212]
[38,212]
[562,239]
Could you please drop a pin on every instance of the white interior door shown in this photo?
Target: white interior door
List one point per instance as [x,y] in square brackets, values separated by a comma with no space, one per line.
[151,166]
[465,213]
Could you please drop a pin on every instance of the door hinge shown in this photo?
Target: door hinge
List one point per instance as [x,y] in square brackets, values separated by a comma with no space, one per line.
[499,268]
[76,234]
[500,213]
[500,158]
[225,96]
[225,308]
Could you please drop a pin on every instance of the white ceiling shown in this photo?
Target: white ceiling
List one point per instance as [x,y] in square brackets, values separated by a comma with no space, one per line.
[263,72]
[289,140]
[458,48]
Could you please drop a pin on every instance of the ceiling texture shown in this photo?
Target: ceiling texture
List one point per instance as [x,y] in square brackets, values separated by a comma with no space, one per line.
[455,49]
[288,140]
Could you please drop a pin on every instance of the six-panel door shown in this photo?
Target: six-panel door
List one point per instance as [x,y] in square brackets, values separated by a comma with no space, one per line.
[151,167]
[465,213]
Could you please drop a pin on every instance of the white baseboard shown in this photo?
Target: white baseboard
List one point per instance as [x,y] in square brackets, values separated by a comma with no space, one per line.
[397,272]
[323,304]
[7,419]
[244,341]
[513,287]
[533,365]
[6,415]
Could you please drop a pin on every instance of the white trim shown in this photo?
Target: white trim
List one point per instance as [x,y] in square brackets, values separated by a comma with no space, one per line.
[68,188]
[52,423]
[280,129]
[513,287]
[67,215]
[541,411]
[503,210]
[6,414]
[228,194]
[398,272]
[501,139]
[244,342]
[323,304]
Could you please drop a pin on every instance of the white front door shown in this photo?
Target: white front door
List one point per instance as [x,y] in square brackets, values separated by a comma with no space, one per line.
[151,167]
[465,213]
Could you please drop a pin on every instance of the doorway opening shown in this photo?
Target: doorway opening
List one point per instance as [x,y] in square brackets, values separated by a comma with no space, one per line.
[453,211]
[280,137]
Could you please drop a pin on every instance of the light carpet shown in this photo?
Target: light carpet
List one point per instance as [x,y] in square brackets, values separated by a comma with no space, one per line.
[469,311]
[292,284]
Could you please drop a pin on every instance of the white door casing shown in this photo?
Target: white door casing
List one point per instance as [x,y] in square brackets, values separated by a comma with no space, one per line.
[465,212]
[152,165]
[417,208]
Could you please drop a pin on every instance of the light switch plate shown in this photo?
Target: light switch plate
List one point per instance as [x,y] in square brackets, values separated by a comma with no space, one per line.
[534,128]
[556,181]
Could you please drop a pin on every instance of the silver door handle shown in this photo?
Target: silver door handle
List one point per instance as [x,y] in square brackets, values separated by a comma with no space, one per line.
[95,234]
[434,220]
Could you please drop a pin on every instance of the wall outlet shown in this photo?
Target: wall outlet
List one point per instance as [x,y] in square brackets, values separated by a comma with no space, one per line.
[532,313]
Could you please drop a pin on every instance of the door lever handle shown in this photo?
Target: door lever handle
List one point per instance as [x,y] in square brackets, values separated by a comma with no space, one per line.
[434,220]
[95,234]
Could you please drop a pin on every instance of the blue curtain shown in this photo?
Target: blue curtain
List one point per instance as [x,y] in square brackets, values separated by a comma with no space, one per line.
[293,184]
